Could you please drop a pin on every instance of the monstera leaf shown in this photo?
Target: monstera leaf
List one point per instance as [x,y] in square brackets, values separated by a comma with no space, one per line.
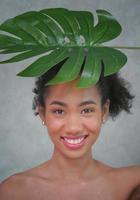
[63,35]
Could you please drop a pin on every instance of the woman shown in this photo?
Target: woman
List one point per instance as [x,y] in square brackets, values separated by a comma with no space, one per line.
[74,118]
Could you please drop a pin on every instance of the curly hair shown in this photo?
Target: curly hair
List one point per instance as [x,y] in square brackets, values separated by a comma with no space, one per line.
[112,87]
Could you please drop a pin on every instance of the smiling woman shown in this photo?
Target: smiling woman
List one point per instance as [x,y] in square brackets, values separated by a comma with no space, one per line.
[74,116]
[74,119]
[78,88]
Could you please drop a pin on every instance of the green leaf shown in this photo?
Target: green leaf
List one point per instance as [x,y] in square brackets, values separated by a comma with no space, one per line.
[91,71]
[51,20]
[57,15]
[10,26]
[86,21]
[63,19]
[25,55]
[43,64]
[34,32]
[36,20]
[107,28]
[8,41]
[70,69]
[16,49]
[61,30]
[113,59]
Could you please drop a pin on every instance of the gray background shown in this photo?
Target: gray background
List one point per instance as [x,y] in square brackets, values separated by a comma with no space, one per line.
[24,142]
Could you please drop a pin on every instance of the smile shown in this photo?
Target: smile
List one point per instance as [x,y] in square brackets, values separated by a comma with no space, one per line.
[74,143]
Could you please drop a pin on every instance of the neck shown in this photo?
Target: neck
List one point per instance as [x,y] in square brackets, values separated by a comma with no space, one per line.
[72,169]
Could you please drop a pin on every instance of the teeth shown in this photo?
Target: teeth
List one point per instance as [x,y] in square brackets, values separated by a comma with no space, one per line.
[74,141]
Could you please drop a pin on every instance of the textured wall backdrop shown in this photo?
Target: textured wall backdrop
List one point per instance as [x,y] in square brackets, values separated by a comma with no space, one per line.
[24,142]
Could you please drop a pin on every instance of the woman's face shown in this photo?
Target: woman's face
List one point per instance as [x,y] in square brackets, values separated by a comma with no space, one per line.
[73,117]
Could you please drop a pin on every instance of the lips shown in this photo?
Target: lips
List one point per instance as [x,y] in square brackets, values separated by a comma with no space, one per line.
[74,142]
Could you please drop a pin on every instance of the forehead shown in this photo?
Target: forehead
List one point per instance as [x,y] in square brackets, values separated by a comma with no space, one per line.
[68,92]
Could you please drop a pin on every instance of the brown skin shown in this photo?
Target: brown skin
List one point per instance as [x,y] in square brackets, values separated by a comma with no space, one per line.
[72,174]
[135,194]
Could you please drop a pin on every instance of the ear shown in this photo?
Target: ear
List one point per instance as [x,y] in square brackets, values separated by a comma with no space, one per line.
[41,112]
[105,110]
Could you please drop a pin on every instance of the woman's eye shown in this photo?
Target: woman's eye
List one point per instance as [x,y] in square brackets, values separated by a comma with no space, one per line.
[58,111]
[87,110]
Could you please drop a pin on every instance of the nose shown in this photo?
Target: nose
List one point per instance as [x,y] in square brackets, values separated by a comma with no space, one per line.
[73,124]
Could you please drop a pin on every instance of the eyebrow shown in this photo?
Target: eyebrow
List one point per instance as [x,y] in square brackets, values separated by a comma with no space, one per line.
[58,103]
[84,103]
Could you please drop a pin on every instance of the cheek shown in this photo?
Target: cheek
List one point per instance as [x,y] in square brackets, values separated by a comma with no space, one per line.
[53,125]
[93,125]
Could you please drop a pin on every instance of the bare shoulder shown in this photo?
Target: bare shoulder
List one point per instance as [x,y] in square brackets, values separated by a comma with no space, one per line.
[130,173]
[127,179]
[22,184]
[10,187]
[15,186]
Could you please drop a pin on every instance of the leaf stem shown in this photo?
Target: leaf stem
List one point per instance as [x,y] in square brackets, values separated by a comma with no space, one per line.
[125,47]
